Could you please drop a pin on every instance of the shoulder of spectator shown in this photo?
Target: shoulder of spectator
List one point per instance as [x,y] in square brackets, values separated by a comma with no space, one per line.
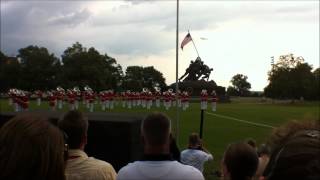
[122,173]
[104,167]
[194,173]
[207,155]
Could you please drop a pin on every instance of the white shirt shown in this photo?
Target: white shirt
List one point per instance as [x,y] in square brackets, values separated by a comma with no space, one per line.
[195,158]
[159,170]
[83,167]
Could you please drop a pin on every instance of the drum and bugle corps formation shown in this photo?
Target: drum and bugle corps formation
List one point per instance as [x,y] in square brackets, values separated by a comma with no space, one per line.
[108,99]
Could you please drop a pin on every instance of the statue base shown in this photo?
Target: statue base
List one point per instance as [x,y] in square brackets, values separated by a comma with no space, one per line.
[194,88]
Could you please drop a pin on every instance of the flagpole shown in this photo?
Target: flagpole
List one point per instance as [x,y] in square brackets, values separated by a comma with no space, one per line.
[195,47]
[177,85]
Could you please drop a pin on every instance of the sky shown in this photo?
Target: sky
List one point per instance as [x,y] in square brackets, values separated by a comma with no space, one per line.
[239,36]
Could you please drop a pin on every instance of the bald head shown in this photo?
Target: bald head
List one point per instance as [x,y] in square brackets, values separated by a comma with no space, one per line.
[156,129]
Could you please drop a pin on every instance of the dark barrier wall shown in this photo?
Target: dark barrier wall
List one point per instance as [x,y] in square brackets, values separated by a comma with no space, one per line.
[112,137]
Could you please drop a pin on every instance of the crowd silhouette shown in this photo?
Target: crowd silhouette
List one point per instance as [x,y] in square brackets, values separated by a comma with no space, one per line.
[31,147]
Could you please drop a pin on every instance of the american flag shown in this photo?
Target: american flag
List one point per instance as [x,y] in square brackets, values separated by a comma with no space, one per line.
[186,40]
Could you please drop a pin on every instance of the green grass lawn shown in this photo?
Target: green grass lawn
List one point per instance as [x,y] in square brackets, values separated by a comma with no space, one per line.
[220,131]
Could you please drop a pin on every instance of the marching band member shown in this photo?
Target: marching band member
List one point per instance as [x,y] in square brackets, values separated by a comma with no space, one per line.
[60,93]
[144,97]
[77,93]
[166,100]
[214,100]
[87,96]
[102,98]
[21,101]
[39,96]
[158,96]
[107,99]
[24,101]
[185,100]
[91,100]
[11,95]
[149,98]
[52,100]
[139,95]
[71,99]
[172,101]
[123,99]
[134,99]
[84,98]
[171,97]
[129,99]
[15,100]
[204,99]
[111,98]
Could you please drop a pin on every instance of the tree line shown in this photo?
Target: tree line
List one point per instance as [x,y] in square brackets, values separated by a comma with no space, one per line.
[292,78]
[289,78]
[36,68]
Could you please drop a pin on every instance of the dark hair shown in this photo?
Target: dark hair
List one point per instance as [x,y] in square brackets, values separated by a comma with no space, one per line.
[31,148]
[75,125]
[194,139]
[264,149]
[295,152]
[156,129]
[251,142]
[241,161]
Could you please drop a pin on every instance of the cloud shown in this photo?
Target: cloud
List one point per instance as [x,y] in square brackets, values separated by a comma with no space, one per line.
[137,2]
[24,23]
[130,27]
[143,32]
[72,19]
[296,9]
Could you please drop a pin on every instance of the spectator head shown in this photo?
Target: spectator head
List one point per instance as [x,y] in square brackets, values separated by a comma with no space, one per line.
[264,150]
[31,148]
[155,130]
[252,143]
[75,125]
[240,161]
[295,152]
[194,140]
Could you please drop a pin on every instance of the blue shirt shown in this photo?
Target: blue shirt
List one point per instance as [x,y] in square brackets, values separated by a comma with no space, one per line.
[195,158]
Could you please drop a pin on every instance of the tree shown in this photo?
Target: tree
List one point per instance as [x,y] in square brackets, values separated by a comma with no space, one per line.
[231,91]
[138,77]
[9,73]
[38,68]
[291,78]
[240,85]
[316,87]
[2,56]
[289,61]
[82,66]
[133,79]
[153,77]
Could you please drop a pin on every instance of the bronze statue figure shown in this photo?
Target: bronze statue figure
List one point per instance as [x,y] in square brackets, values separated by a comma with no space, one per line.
[196,70]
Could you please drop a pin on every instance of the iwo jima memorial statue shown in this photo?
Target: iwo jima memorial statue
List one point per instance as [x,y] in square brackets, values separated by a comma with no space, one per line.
[196,78]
